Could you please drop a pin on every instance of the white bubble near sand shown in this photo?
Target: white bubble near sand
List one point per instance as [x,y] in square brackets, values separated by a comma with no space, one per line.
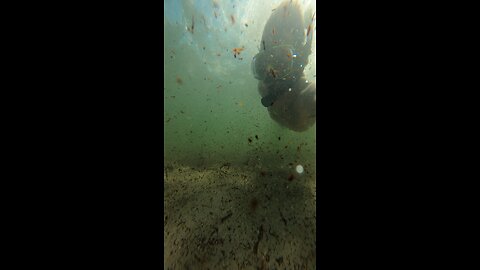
[299,169]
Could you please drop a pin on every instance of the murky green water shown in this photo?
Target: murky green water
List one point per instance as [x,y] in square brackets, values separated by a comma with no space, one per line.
[212,105]
[232,197]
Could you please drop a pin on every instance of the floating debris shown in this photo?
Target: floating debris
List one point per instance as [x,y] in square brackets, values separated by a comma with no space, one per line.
[179,80]
[191,28]
[233,19]
[237,51]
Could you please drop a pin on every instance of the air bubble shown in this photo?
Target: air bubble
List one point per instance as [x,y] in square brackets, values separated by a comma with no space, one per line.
[299,169]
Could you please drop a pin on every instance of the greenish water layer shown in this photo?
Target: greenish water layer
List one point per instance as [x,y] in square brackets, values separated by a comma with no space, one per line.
[213,112]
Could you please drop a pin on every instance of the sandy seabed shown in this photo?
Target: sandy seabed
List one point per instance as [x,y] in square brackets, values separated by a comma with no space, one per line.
[239,217]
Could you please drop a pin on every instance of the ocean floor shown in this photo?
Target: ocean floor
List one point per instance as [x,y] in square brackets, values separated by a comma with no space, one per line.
[239,217]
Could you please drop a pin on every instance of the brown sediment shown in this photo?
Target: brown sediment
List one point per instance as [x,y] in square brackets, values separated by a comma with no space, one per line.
[201,230]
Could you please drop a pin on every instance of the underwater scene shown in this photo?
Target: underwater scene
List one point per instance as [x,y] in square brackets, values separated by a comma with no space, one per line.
[239,134]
